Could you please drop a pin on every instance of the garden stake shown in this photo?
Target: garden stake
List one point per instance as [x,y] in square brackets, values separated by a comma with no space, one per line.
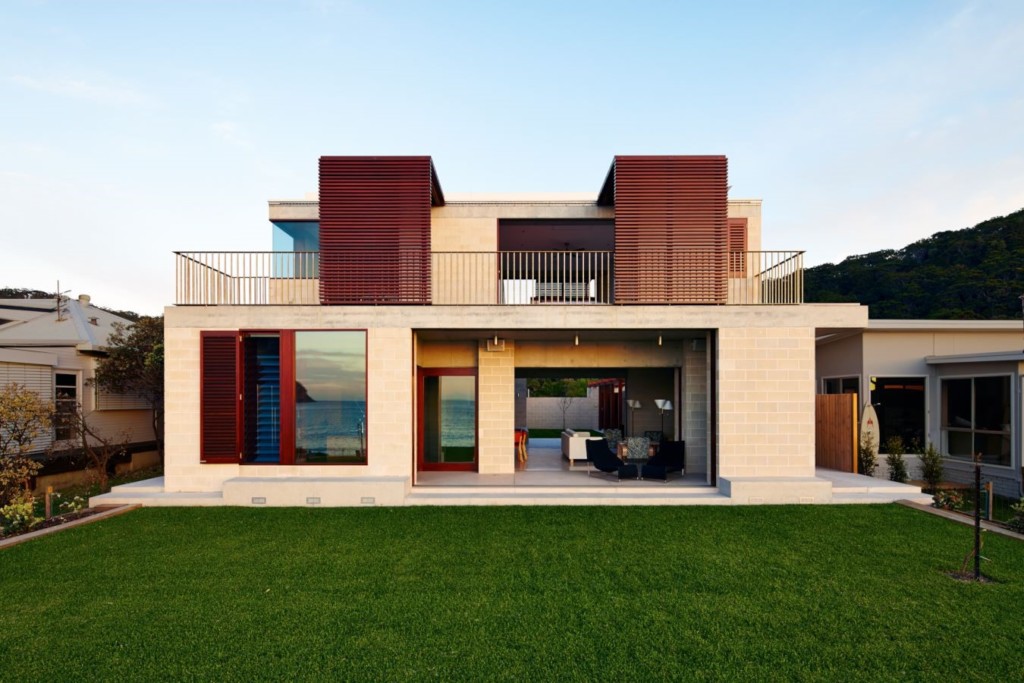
[49,508]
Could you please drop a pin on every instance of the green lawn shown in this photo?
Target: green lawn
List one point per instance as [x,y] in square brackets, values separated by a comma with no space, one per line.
[517,594]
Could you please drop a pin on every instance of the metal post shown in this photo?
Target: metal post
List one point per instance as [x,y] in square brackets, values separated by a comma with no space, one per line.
[977,517]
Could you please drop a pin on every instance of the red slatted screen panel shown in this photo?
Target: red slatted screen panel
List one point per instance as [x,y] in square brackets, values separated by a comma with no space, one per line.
[737,247]
[375,230]
[218,397]
[671,222]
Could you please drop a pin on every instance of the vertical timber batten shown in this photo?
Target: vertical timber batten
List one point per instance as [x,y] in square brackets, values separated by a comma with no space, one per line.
[671,229]
[375,229]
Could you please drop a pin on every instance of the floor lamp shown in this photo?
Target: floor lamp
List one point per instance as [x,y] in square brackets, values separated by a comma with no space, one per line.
[663,405]
[634,405]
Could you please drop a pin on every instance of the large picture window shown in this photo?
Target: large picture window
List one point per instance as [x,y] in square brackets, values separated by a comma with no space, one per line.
[284,397]
[976,418]
[330,397]
[899,402]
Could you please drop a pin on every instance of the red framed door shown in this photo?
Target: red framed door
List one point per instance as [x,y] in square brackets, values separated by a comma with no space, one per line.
[447,419]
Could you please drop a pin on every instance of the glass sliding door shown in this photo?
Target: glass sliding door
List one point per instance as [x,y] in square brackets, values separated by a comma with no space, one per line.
[447,423]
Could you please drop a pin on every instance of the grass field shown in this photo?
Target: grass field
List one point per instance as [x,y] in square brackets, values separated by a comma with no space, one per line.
[517,594]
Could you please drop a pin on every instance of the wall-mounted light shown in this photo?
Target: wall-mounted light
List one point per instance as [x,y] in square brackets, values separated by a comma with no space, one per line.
[659,340]
[576,340]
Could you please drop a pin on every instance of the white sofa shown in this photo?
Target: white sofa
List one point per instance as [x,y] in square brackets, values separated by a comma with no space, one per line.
[574,446]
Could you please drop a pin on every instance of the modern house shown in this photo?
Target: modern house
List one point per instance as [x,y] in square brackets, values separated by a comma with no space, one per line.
[52,347]
[955,384]
[372,356]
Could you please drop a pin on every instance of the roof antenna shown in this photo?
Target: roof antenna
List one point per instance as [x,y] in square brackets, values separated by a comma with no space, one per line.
[61,301]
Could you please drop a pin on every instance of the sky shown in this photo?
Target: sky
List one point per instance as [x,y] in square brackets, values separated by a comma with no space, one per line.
[130,130]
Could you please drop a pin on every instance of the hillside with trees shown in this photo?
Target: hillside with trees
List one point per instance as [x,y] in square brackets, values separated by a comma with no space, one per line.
[971,274]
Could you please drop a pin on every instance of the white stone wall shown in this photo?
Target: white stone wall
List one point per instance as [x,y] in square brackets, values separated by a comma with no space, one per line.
[766,402]
[496,410]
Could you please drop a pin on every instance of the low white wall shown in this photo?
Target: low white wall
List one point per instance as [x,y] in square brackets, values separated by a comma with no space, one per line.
[546,413]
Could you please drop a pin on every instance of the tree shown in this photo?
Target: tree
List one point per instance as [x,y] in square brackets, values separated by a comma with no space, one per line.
[135,365]
[564,403]
[97,447]
[24,417]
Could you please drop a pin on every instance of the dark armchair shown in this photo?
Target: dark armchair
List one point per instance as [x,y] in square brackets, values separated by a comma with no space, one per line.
[671,457]
[602,459]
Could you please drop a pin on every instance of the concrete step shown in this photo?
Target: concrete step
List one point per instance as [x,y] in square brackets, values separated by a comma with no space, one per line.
[159,498]
[154,485]
[545,496]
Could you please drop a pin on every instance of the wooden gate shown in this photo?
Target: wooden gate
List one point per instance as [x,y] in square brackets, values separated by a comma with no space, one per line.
[835,431]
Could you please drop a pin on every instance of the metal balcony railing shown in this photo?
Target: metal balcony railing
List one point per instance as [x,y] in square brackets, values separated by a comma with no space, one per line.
[211,278]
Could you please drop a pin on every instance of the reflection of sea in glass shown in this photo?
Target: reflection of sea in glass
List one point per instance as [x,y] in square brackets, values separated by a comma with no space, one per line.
[449,429]
[330,397]
[457,423]
[330,430]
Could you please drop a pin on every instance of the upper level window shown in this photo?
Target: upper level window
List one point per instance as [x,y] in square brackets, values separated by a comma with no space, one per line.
[300,243]
[976,419]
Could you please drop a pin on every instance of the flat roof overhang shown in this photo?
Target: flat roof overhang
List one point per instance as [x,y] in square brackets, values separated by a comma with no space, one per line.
[563,335]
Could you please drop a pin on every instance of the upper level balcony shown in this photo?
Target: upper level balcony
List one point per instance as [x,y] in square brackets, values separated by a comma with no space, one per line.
[694,277]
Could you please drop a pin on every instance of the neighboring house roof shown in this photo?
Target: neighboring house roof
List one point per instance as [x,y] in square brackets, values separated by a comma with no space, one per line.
[944,325]
[989,357]
[80,324]
[876,325]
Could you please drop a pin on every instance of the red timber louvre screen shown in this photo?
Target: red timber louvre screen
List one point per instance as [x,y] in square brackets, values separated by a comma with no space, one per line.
[375,229]
[218,397]
[671,229]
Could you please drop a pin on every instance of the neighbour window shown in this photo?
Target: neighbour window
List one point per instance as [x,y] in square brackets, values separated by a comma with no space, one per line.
[899,402]
[976,419]
[65,392]
[841,385]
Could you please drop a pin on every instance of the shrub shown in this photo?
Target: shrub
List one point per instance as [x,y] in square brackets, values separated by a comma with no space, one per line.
[18,516]
[68,506]
[931,467]
[1016,523]
[894,459]
[867,458]
[949,499]
[24,417]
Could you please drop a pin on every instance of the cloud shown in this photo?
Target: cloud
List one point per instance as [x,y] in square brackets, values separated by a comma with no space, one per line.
[84,90]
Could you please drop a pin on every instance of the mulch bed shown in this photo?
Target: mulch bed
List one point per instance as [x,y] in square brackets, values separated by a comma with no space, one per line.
[57,520]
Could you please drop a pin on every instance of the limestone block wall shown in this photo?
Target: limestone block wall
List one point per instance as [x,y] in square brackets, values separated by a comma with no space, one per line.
[496,410]
[695,410]
[766,402]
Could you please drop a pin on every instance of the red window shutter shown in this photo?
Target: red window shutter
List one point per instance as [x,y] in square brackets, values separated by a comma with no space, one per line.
[218,397]
[375,229]
[737,247]
[671,216]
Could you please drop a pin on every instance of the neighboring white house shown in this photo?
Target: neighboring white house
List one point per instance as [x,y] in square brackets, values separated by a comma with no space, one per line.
[953,383]
[54,353]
